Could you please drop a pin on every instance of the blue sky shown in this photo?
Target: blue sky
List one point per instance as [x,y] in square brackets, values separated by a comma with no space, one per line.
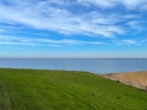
[73,28]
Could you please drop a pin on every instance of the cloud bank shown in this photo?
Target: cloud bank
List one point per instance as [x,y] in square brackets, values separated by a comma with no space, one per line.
[92,18]
[56,15]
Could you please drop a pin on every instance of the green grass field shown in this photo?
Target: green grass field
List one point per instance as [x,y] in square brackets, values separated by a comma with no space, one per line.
[65,90]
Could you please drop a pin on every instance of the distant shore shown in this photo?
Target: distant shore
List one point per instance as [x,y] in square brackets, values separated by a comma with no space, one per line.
[134,79]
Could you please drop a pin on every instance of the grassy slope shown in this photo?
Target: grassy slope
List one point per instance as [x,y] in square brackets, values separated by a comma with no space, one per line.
[61,90]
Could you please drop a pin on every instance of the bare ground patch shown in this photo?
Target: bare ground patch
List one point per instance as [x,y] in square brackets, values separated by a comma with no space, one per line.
[135,79]
[5,99]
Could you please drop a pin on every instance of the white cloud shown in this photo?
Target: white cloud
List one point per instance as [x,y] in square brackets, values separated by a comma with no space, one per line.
[104,3]
[129,4]
[12,40]
[135,25]
[130,16]
[144,40]
[16,43]
[129,42]
[46,17]
[126,42]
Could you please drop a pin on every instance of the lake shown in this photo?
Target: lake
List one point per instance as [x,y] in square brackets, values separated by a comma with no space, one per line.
[94,65]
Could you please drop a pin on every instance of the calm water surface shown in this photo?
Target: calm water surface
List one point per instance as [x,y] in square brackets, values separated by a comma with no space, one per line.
[101,66]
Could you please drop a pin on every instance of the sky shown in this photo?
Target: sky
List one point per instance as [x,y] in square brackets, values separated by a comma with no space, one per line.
[73,28]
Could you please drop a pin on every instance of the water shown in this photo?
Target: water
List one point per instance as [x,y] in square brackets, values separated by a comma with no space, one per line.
[100,66]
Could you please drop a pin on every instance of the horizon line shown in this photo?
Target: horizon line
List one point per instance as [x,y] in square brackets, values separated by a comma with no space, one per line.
[74,57]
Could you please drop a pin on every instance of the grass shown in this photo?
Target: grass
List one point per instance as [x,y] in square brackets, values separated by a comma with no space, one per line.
[65,90]
[135,79]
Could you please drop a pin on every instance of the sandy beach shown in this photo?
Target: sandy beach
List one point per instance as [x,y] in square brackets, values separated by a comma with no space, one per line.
[134,79]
